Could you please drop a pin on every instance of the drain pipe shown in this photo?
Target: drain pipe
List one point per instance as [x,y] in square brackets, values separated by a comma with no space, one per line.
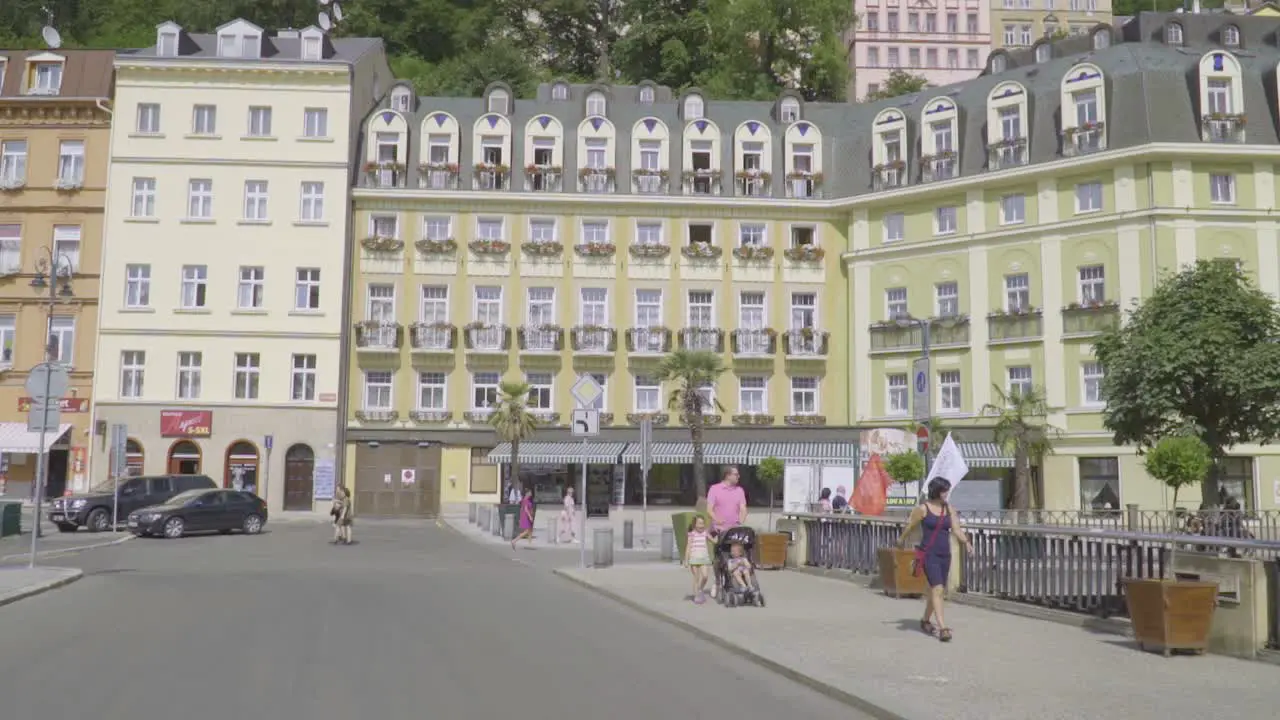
[1155,265]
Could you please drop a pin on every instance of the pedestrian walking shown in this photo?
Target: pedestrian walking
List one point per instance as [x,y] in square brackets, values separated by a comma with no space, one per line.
[341,512]
[568,518]
[933,556]
[697,557]
[526,519]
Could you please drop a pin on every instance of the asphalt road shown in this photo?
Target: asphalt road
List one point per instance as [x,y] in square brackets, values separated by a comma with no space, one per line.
[410,623]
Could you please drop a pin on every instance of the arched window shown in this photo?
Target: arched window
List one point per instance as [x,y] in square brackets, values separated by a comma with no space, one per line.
[999,63]
[185,458]
[1173,34]
[134,458]
[693,107]
[1231,36]
[400,99]
[242,467]
[498,101]
[1101,39]
[560,91]
[596,104]
[1043,52]
[789,111]
[646,95]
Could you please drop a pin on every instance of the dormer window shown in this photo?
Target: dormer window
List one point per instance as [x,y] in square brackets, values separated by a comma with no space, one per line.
[1083,101]
[889,155]
[1173,34]
[312,45]
[789,110]
[168,44]
[1007,124]
[646,95]
[1044,52]
[235,45]
[596,104]
[498,101]
[400,99]
[693,108]
[999,63]
[46,78]
[560,91]
[1231,36]
[1101,39]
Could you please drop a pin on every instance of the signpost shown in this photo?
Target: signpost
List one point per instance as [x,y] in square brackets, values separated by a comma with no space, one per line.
[646,462]
[267,442]
[119,467]
[46,384]
[586,423]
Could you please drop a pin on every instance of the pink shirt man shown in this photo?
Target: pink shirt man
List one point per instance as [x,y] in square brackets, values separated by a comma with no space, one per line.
[727,502]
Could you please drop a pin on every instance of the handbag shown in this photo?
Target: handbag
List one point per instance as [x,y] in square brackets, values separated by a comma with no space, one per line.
[917,565]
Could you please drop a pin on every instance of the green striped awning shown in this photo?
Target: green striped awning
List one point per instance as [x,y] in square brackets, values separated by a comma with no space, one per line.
[600,453]
[988,455]
[807,453]
[681,453]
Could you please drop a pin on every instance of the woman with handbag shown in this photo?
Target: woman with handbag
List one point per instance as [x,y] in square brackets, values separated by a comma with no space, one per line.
[341,513]
[933,556]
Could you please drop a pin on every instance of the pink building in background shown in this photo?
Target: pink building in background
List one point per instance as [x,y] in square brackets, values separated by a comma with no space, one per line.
[945,41]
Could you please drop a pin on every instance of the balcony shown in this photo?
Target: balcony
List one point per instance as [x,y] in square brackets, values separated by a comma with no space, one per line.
[541,339]
[543,248]
[382,244]
[487,337]
[702,339]
[1007,153]
[377,415]
[545,417]
[69,183]
[1223,127]
[1015,326]
[754,342]
[438,176]
[543,178]
[596,180]
[657,418]
[805,343]
[596,249]
[892,337]
[490,176]
[1083,139]
[375,336]
[804,185]
[751,183]
[887,176]
[428,417]
[649,182]
[1090,318]
[478,417]
[752,419]
[936,168]
[594,339]
[433,337]
[805,420]
[649,340]
[385,174]
[649,250]
[702,182]
[10,181]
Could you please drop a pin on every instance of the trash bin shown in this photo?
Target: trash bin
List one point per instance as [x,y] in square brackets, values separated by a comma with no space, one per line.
[10,519]
[506,510]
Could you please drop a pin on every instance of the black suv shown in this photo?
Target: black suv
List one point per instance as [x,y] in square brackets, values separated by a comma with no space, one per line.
[93,509]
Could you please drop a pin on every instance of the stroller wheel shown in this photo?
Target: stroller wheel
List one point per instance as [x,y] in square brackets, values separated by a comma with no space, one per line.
[759,600]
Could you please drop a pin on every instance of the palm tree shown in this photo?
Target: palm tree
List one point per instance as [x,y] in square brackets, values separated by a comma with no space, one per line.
[1020,429]
[513,421]
[692,371]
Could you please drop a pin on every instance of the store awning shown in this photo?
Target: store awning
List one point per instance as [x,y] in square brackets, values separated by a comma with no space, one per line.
[15,438]
[806,453]
[681,453]
[988,455]
[560,452]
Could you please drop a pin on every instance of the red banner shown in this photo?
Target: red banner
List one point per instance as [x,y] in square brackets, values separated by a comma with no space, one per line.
[66,405]
[186,423]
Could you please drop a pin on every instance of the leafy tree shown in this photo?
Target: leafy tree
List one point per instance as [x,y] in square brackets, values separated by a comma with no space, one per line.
[905,467]
[770,472]
[1199,356]
[899,82]
[667,41]
[1179,461]
[1020,429]
[572,38]
[513,421]
[692,371]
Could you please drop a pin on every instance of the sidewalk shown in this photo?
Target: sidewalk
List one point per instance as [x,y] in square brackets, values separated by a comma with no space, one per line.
[999,667]
[541,538]
[17,583]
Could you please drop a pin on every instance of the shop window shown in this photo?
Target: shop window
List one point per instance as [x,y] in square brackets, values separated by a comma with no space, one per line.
[1236,482]
[1100,484]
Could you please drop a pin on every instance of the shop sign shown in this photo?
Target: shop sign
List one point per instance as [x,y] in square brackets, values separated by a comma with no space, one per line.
[186,423]
[66,405]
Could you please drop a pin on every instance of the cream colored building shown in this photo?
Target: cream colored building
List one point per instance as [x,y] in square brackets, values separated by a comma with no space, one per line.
[226,225]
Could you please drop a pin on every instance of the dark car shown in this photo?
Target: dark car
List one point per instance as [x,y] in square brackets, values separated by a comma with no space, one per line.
[93,510]
[201,511]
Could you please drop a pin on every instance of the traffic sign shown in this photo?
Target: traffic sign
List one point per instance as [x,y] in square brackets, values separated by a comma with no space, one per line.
[646,444]
[268,441]
[586,390]
[47,380]
[920,395]
[41,420]
[119,450]
[586,422]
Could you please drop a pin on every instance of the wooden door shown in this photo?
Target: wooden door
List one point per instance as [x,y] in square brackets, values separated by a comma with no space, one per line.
[299,475]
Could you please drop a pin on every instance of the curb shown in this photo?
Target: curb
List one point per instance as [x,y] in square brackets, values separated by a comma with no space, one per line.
[841,696]
[68,550]
[38,589]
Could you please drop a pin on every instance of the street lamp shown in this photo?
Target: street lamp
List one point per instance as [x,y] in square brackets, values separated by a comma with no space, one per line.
[53,273]
[907,322]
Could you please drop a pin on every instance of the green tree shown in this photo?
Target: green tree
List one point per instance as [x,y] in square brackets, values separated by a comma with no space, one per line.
[899,82]
[1199,356]
[1179,461]
[667,41]
[513,421]
[905,467]
[692,371]
[571,38]
[1021,429]
[770,472]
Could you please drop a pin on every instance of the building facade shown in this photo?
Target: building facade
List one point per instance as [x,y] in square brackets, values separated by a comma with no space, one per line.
[944,44]
[1024,23]
[55,122]
[221,327]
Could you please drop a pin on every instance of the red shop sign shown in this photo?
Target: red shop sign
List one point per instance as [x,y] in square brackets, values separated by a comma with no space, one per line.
[186,423]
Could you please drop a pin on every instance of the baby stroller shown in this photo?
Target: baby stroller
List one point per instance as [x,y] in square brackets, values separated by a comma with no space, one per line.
[730,594]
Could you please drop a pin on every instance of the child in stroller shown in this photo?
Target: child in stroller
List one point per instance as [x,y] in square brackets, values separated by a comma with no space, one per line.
[735,575]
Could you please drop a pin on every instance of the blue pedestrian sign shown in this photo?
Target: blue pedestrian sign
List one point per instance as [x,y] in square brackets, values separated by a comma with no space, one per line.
[920,395]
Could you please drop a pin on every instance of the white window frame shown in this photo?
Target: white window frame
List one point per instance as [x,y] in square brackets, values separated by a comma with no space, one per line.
[437,228]
[1017,292]
[133,370]
[311,196]
[752,235]
[251,289]
[694,107]
[148,119]
[1091,377]
[1013,209]
[487,383]
[753,394]
[315,123]
[256,201]
[1089,197]
[10,248]
[195,287]
[895,303]
[897,395]
[381,382]
[946,220]
[143,198]
[62,336]
[947,298]
[302,377]
[200,199]
[1222,189]
[137,286]
[484,227]
[259,125]
[597,104]
[13,163]
[433,391]
[71,163]
[247,376]
[1019,379]
[593,307]
[542,391]
[895,227]
[1092,284]
[433,305]
[306,289]
[190,370]
[800,394]
[647,387]
[950,391]
[66,248]
[204,120]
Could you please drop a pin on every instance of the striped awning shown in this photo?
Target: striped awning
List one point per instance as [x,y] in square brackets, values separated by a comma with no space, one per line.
[603,453]
[681,453]
[806,453]
[988,455]
[16,438]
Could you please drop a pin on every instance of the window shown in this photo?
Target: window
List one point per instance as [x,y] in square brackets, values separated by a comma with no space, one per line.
[204,120]
[752,395]
[311,48]
[953,24]
[913,57]
[246,376]
[189,366]
[1088,197]
[255,200]
[649,312]
[560,91]
[148,118]
[259,121]
[948,297]
[200,200]
[1024,35]
[484,390]
[306,289]
[435,304]
[596,151]
[1017,293]
[953,59]
[132,368]
[1101,39]
[894,227]
[541,391]
[1093,285]
[380,304]
[498,101]
[1099,484]
[489,229]
[249,295]
[62,339]
[1091,386]
[540,305]
[1222,189]
[751,235]
[804,310]
[1218,91]
[650,155]
[751,316]
[648,233]
[1231,36]
[945,220]
[1086,102]
[700,234]
[144,198]
[1013,209]
[437,229]
[66,248]
[542,231]
[595,312]
[899,396]
[646,95]
[971,58]
[693,107]
[302,381]
[873,57]
[137,286]
[71,163]
[596,104]
[895,301]
[803,236]
[10,249]
[488,305]
[949,390]
[1237,481]
[194,284]
[168,45]
[1044,52]
[1019,381]
[804,396]
[603,381]
[315,122]
[789,110]
[595,232]
[1010,121]
[400,99]
[1173,34]
[312,202]
[1010,35]
[13,163]
[377,390]
[702,309]
[385,226]
[648,394]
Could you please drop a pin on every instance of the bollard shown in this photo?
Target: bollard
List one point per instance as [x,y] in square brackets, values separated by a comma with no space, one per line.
[668,543]
[628,534]
[509,526]
[482,517]
[471,513]
[602,548]
[495,524]
[553,528]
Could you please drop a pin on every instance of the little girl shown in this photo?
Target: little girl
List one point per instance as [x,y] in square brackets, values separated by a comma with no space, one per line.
[697,557]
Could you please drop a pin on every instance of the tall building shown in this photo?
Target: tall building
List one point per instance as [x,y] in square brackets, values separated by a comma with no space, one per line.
[55,119]
[223,268]
[943,44]
[1021,23]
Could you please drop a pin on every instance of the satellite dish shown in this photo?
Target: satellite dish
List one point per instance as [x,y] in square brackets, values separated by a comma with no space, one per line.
[52,37]
[337,12]
[324,21]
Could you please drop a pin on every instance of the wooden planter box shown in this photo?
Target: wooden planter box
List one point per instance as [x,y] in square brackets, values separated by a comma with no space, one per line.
[895,573]
[771,552]
[1169,615]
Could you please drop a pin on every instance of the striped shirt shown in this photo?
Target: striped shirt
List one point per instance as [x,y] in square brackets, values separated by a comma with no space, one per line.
[698,544]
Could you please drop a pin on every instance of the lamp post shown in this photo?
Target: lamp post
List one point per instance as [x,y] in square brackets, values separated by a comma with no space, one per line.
[55,277]
[925,417]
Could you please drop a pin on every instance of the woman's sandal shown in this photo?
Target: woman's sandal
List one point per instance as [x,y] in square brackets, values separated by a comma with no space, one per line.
[944,634]
[926,627]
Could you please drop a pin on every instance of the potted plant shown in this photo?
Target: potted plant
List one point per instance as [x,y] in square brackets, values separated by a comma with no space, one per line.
[1169,614]
[896,564]
[773,545]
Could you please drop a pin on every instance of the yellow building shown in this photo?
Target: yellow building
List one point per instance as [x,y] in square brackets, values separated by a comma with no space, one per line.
[55,124]
[1026,23]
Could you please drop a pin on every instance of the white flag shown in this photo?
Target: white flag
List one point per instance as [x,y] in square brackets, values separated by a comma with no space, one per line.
[949,464]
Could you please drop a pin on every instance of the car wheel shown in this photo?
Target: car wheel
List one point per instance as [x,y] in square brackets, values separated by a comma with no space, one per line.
[67,528]
[174,527]
[98,521]
[252,524]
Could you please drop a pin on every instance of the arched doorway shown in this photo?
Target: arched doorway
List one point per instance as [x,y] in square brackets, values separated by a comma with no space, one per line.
[299,469]
[242,467]
[185,458]
[134,457]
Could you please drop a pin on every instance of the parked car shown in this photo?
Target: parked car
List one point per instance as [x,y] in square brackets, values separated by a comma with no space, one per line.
[195,511]
[93,509]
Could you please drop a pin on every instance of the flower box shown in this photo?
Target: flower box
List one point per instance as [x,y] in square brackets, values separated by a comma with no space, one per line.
[649,251]
[753,252]
[804,253]
[489,247]
[544,248]
[595,249]
[704,251]
[451,168]
[752,419]
[371,167]
[436,247]
[805,420]
[382,244]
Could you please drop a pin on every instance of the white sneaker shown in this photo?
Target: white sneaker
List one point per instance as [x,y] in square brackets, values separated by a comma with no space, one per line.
[713,592]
